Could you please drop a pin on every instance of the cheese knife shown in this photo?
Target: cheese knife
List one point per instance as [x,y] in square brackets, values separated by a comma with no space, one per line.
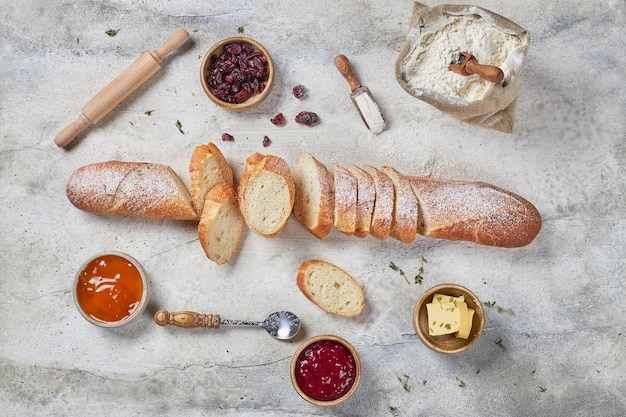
[361,97]
[464,63]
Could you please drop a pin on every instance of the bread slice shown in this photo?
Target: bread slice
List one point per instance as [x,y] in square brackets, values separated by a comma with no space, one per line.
[221,224]
[315,196]
[207,168]
[405,214]
[133,189]
[366,197]
[266,194]
[345,200]
[330,288]
[383,204]
[475,212]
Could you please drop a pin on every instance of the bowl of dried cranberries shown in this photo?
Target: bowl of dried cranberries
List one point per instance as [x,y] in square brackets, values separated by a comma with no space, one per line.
[237,73]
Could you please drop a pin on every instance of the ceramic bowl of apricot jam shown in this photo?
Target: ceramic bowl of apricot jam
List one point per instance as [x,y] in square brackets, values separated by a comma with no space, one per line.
[237,73]
[325,370]
[110,289]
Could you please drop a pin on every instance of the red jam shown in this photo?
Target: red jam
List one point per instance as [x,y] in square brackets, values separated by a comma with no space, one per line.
[325,370]
[109,289]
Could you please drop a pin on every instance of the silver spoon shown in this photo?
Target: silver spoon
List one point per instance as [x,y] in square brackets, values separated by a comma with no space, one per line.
[281,324]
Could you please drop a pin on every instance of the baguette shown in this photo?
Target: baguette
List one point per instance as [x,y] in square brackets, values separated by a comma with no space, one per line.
[365,199]
[266,194]
[475,212]
[221,224]
[345,201]
[383,204]
[404,220]
[133,189]
[330,288]
[315,196]
[207,168]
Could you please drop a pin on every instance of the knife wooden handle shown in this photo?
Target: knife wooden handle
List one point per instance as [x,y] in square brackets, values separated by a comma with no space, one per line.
[187,319]
[488,72]
[343,65]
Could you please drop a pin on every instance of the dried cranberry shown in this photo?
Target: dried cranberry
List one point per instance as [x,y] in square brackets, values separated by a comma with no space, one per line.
[226,137]
[299,91]
[279,120]
[266,141]
[238,72]
[307,118]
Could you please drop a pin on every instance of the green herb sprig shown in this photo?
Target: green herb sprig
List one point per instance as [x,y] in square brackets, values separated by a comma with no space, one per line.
[179,126]
[112,32]
[492,304]
[404,380]
[499,343]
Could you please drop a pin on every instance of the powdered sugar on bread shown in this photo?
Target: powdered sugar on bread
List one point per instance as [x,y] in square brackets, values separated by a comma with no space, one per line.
[314,196]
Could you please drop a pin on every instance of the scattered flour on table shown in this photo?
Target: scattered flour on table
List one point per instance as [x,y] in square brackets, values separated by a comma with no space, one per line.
[427,65]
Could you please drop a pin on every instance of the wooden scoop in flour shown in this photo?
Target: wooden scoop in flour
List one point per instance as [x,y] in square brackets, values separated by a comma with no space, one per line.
[120,88]
[464,63]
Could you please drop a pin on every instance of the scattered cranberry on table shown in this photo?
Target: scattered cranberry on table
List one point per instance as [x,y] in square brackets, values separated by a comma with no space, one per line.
[307,118]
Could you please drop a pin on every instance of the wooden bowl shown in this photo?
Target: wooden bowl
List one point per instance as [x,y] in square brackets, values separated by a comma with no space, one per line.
[256,98]
[119,299]
[296,363]
[448,343]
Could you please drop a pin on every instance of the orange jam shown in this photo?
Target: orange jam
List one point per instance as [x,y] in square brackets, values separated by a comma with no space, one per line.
[109,289]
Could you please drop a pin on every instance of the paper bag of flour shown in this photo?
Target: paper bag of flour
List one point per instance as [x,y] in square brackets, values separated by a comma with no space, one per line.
[435,35]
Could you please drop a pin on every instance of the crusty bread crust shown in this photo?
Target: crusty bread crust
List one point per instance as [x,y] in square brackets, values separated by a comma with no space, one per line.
[315,196]
[330,288]
[405,214]
[266,194]
[221,224]
[207,168]
[133,189]
[475,212]
[383,205]
[345,200]
[366,198]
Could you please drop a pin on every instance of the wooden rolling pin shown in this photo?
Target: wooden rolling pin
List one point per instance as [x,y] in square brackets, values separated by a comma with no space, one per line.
[120,88]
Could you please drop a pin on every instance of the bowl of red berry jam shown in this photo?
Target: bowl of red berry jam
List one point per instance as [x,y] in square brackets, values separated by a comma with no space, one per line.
[110,289]
[237,73]
[325,370]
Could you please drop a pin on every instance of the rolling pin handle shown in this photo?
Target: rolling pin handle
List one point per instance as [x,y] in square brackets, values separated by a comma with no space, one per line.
[71,131]
[171,44]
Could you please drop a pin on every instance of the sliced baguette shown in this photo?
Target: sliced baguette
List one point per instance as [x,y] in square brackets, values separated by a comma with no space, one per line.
[475,212]
[345,200]
[221,224]
[383,204]
[405,214]
[366,197]
[133,189]
[266,194]
[315,196]
[207,168]
[330,288]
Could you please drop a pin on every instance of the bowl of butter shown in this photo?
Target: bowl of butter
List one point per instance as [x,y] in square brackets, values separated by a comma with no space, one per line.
[449,318]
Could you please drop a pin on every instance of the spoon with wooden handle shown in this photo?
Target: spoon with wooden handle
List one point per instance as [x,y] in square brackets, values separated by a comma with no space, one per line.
[281,324]
[120,88]
[464,63]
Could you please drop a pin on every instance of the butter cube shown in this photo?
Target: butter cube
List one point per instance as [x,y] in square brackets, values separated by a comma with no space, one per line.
[466,323]
[443,319]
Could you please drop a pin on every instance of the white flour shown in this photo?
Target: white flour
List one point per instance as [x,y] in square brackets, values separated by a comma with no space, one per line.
[427,65]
